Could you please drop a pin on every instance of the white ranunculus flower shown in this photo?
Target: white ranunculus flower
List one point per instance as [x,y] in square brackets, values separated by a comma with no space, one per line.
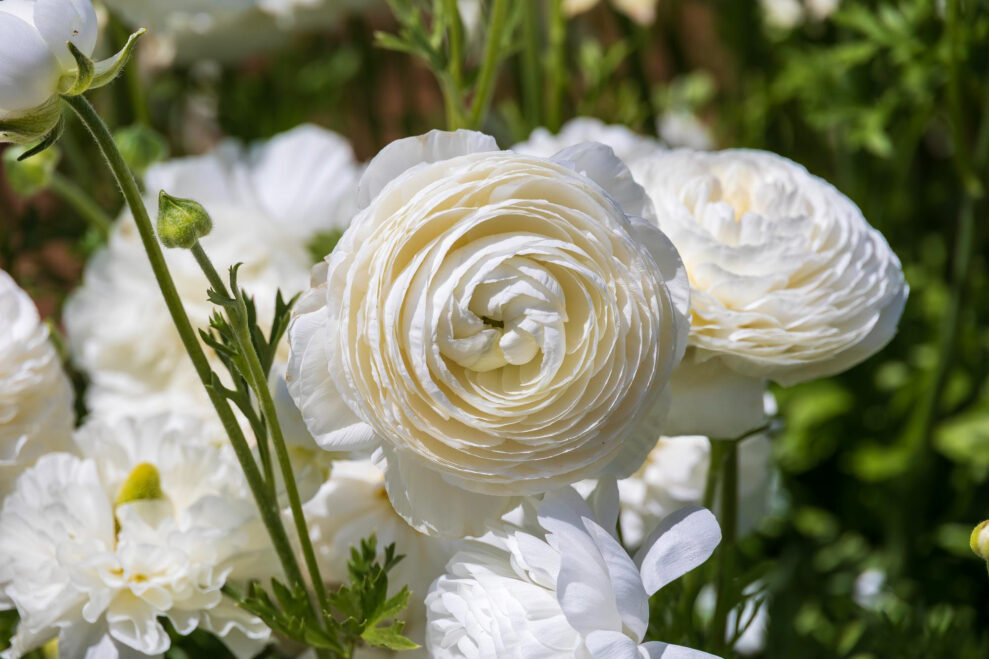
[675,475]
[267,203]
[150,522]
[562,586]
[34,59]
[626,143]
[496,323]
[351,506]
[788,280]
[36,411]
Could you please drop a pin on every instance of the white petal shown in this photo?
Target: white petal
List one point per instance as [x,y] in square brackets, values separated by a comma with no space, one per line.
[61,21]
[431,505]
[583,585]
[712,400]
[405,154]
[332,424]
[611,645]
[681,542]
[674,273]
[305,179]
[28,71]
[626,583]
[657,650]
[599,163]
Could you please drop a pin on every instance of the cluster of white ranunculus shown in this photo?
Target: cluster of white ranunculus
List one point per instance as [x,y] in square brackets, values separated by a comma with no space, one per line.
[492,328]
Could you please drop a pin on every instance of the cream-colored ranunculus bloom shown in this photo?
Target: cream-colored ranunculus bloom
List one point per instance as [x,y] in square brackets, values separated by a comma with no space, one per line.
[36,412]
[496,324]
[788,280]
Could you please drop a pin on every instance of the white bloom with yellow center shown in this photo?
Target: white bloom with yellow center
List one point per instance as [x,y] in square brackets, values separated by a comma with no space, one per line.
[266,204]
[788,280]
[561,586]
[151,522]
[497,324]
[36,412]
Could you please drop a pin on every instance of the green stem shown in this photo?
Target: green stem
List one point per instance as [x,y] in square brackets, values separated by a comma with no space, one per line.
[81,203]
[556,62]
[268,508]
[532,95]
[259,382]
[455,28]
[216,282]
[492,59]
[452,84]
[726,552]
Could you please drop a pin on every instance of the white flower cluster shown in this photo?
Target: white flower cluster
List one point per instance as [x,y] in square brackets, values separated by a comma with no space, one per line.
[492,328]
[149,521]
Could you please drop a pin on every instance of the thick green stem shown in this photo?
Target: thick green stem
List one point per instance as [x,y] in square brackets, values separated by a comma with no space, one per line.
[259,383]
[268,508]
[452,86]
[492,59]
[556,63]
[532,94]
[81,203]
[726,552]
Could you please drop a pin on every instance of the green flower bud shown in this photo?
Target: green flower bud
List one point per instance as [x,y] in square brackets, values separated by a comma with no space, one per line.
[30,176]
[979,541]
[141,147]
[181,222]
[143,483]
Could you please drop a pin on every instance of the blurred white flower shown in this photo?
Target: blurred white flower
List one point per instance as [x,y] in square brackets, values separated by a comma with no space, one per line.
[35,63]
[788,280]
[788,14]
[267,203]
[682,128]
[675,475]
[150,522]
[497,324]
[227,30]
[641,11]
[36,411]
[626,143]
[563,587]
[351,506]
[868,588]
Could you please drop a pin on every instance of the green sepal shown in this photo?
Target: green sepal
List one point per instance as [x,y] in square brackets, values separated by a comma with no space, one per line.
[84,72]
[48,141]
[108,69]
[32,125]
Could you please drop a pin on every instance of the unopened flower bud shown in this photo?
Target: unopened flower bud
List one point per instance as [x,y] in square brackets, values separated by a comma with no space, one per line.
[979,541]
[30,176]
[141,147]
[143,483]
[181,222]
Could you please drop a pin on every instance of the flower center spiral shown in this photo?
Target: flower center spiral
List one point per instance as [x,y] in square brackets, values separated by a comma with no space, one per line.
[504,313]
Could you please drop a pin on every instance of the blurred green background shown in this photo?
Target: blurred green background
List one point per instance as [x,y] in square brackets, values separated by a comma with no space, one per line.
[884,470]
